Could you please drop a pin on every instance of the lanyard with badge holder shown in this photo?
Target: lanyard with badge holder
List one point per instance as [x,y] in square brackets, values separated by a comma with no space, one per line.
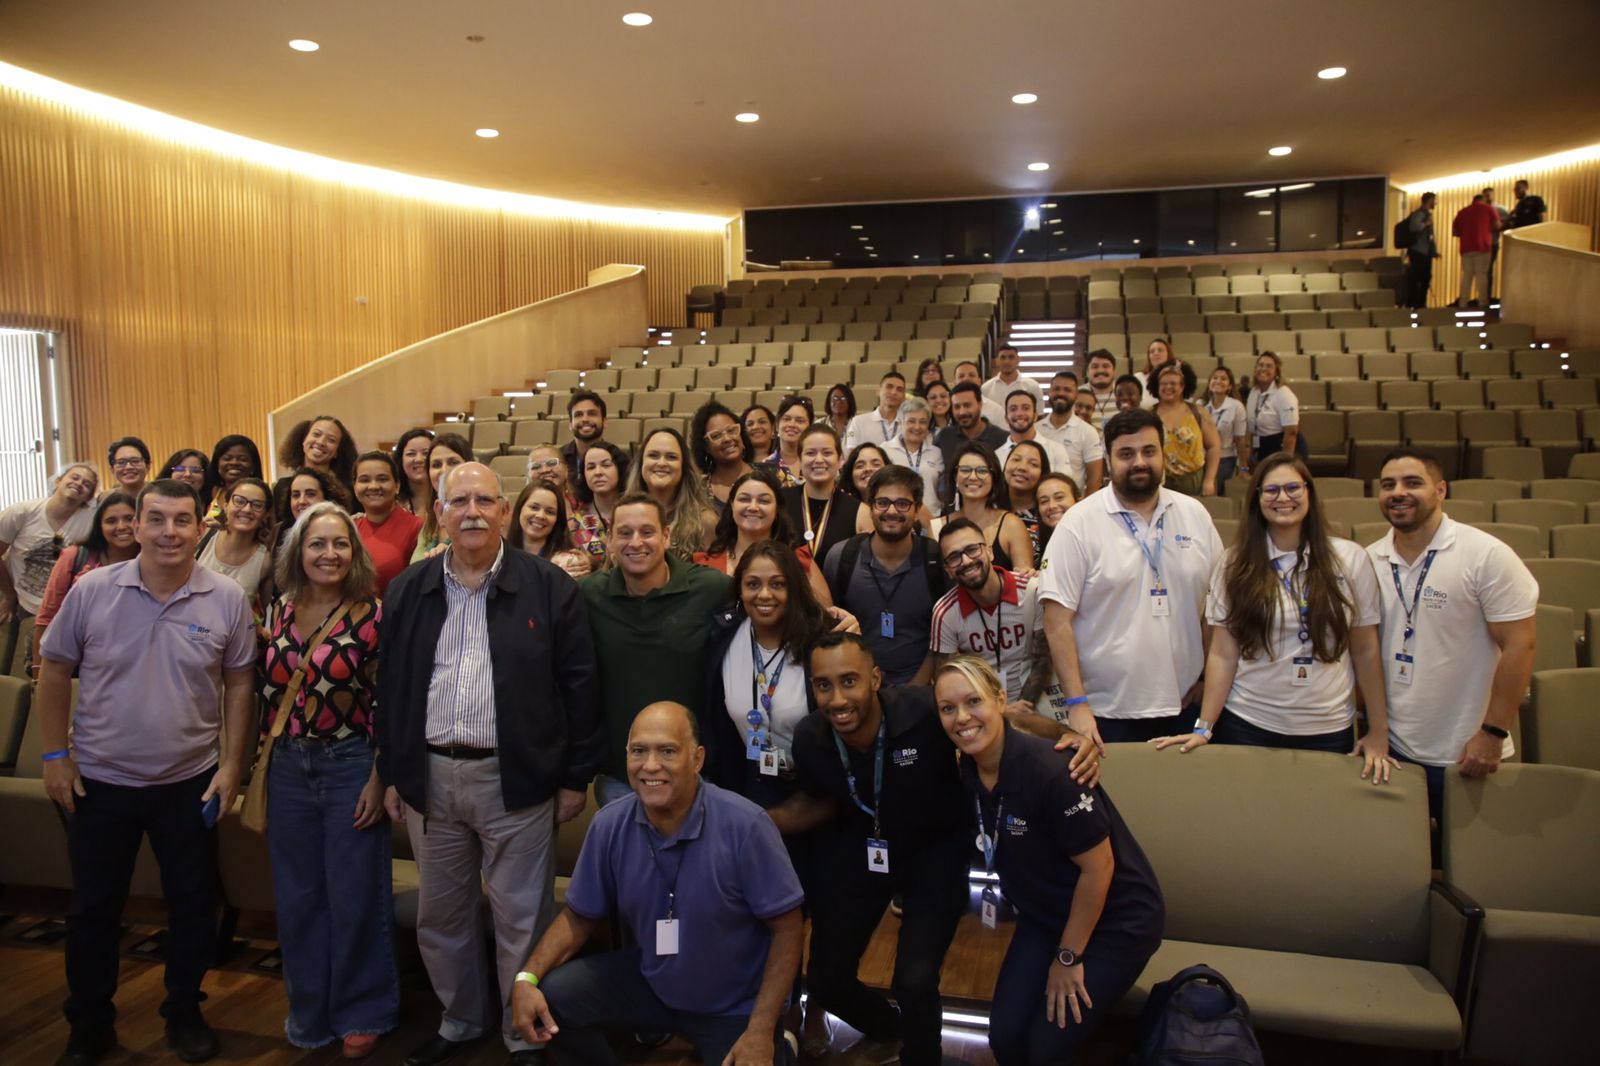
[877,847]
[989,844]
[1160,607]
[814,535]
[1302,662]
[667,928]
[763,684]
[993,639]
[1405,663]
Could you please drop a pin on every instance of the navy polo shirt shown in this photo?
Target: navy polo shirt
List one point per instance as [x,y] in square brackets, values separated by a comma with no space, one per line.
[1046,819]
[732,875]
[922,796]
[870,590]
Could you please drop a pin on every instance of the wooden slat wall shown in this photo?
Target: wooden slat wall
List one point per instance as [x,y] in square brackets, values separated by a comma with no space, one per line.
[1572,192]
[195,292]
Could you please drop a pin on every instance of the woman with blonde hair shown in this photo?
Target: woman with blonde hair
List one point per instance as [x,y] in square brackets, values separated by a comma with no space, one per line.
[661,470]
[325,832]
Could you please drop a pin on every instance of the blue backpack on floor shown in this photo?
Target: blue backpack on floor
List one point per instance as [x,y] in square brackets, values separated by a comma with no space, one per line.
[1196,1017]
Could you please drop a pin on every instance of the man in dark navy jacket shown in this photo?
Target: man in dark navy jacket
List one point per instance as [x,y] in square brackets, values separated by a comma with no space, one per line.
[488,735]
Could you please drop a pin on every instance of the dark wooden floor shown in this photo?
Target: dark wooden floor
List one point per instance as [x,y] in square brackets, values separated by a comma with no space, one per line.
[246,1005]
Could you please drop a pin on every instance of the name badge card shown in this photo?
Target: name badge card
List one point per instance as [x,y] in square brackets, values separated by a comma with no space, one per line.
[758,739]
[666,936]
[991,907]
[878,856]
[1160,604]
[886,625]
[769,763]
[1302,671]
[1404,667]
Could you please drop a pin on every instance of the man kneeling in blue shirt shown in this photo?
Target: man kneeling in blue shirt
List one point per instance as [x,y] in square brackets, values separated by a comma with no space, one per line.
[701,879]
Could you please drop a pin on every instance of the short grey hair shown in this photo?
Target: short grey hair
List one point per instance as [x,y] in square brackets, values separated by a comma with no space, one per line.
[914,405]
[499,482]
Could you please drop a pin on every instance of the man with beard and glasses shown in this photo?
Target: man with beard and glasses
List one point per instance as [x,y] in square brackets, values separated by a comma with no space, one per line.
[983,614]
[1085,451]
[1457,631]
[1102,370]
[1124,591]
[890,579]
[966,408]
[586,416]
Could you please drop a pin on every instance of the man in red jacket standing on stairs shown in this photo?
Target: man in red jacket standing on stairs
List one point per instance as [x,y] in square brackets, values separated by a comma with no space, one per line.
[1475,226]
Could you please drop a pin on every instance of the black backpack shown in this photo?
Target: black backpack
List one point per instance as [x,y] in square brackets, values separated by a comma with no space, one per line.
[1196,1017]
[1403,237]
[932,567]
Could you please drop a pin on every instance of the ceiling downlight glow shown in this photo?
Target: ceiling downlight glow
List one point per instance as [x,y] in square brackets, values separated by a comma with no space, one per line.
[1330,73]
[747,116]
[179,131]
[637,18]
[488,133]
[1038,166]
[1281,150]
[300,44]
[1025,98]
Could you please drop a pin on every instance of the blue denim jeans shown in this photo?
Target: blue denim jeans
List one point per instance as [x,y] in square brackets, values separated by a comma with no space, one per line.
[332,883]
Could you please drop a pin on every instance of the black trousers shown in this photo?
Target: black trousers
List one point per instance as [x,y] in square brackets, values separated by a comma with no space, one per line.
[102,843]
[1139,730]
[1418,279]
[1019,1032]
[932,883]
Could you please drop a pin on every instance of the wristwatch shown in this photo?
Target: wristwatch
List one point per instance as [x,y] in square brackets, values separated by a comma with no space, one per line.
[1495,731]
[1068,957]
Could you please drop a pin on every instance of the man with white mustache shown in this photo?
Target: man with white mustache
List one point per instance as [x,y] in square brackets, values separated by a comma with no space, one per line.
[488,738]
[1124,591]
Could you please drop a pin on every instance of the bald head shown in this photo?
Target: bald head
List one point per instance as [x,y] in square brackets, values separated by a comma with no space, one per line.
[472,510]
[664,761]
[670,716]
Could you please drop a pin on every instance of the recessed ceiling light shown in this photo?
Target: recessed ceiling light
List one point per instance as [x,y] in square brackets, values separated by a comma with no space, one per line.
[1055,222]
[874,255]
[1282,149]
[1191,243]
[1038,166]
[1047,206]
[868,247]
[863,238]
[747,116]
[487,133]
[1058,233]
[1024,98]
[1264,212]
[300,44]
[855,227]
[916,257]
[637,18]
[1136,240]
[1022,251]
[1330,73]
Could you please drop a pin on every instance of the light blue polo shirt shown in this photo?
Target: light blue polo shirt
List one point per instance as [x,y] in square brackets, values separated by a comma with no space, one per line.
[149,673]
[732,876]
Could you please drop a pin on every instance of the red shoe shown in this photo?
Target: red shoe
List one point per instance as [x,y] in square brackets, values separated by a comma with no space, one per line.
[360,1045]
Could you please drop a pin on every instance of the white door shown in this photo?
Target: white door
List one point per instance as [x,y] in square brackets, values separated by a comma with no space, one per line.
[29,445]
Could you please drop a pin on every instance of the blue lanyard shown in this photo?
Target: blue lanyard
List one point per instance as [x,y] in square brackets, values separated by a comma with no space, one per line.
[1154,559]
[991,842]
[1416,595]
[1287,580]
[877,774]
[759,681]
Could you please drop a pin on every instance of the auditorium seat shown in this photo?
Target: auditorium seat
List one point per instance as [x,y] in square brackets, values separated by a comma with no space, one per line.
[1520,844]
[1484,430]
[1575,541]
[15,697]
[1546,514]
[1529,542]
[1573,583]
[1340,488]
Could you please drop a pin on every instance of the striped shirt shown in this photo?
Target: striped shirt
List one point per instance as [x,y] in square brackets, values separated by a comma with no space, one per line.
[461,690]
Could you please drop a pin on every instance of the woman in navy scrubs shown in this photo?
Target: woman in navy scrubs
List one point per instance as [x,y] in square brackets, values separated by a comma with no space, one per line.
[1088,910]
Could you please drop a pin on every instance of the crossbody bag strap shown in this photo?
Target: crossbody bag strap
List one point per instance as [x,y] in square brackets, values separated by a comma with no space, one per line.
[297,680]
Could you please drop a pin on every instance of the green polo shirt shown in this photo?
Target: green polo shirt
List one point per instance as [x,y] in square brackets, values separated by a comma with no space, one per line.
[651,647]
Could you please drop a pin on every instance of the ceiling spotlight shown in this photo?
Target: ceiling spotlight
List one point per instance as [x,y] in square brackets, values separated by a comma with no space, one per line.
[747,116]
[1024,98]
[637,18]
[1330,73]
[863,238]
[872,255]
[1047,206]
[1058,233]
[487,133]
[300,44]
[1055,222]
[855,227]
[868,247]
[1136,240]
[1038,166]
[1282,149]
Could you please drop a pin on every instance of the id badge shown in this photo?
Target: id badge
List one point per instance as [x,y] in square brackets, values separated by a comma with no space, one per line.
[878,856]
[1302,671]
[886,625]
[758,738]
[769,762]
[1160,604]
[1404,667]
[991,908]
[666,936]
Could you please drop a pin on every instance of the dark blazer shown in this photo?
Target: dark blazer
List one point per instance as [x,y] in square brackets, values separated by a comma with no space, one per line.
[546,693]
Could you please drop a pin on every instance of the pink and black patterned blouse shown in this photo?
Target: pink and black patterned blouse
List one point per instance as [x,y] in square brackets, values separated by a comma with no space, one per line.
[340,690]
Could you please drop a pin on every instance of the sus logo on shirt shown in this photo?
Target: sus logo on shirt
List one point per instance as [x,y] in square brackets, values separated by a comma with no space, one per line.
[1085,803]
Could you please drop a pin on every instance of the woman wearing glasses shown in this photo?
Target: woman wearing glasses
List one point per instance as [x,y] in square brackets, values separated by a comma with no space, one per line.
[130,464]
[242,548]
[387,530]
[978,487]
[1294,630]
[914,448]
[189,467]
[721,453]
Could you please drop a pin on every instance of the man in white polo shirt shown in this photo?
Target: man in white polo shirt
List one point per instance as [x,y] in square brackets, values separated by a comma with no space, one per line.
[881,424]
[983,613]
[1008,379]
[1086,452]
[1021,414]
[1457,631]
[1124,591]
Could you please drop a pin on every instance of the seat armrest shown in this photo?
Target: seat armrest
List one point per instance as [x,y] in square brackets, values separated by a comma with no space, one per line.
[1455,926]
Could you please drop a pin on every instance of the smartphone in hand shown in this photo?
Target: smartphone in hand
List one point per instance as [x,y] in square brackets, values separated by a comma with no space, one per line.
[211,810]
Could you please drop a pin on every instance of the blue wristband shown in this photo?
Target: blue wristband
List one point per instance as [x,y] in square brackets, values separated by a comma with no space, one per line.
[52,756]
[1073,701]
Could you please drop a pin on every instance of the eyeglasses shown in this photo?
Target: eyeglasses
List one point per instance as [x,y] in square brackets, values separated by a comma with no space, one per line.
[188,470]
[1291,489]
[884,503]
[721,435]
[244,503]
[544,464]
[970,554]
[124,464]
[972,471]
[460,503]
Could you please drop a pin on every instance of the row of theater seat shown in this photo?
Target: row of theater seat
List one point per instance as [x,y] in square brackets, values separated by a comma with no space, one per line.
[1371,341]
[1180,319]
[928,329]
[788,299]
[1373,300]
[778,316]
